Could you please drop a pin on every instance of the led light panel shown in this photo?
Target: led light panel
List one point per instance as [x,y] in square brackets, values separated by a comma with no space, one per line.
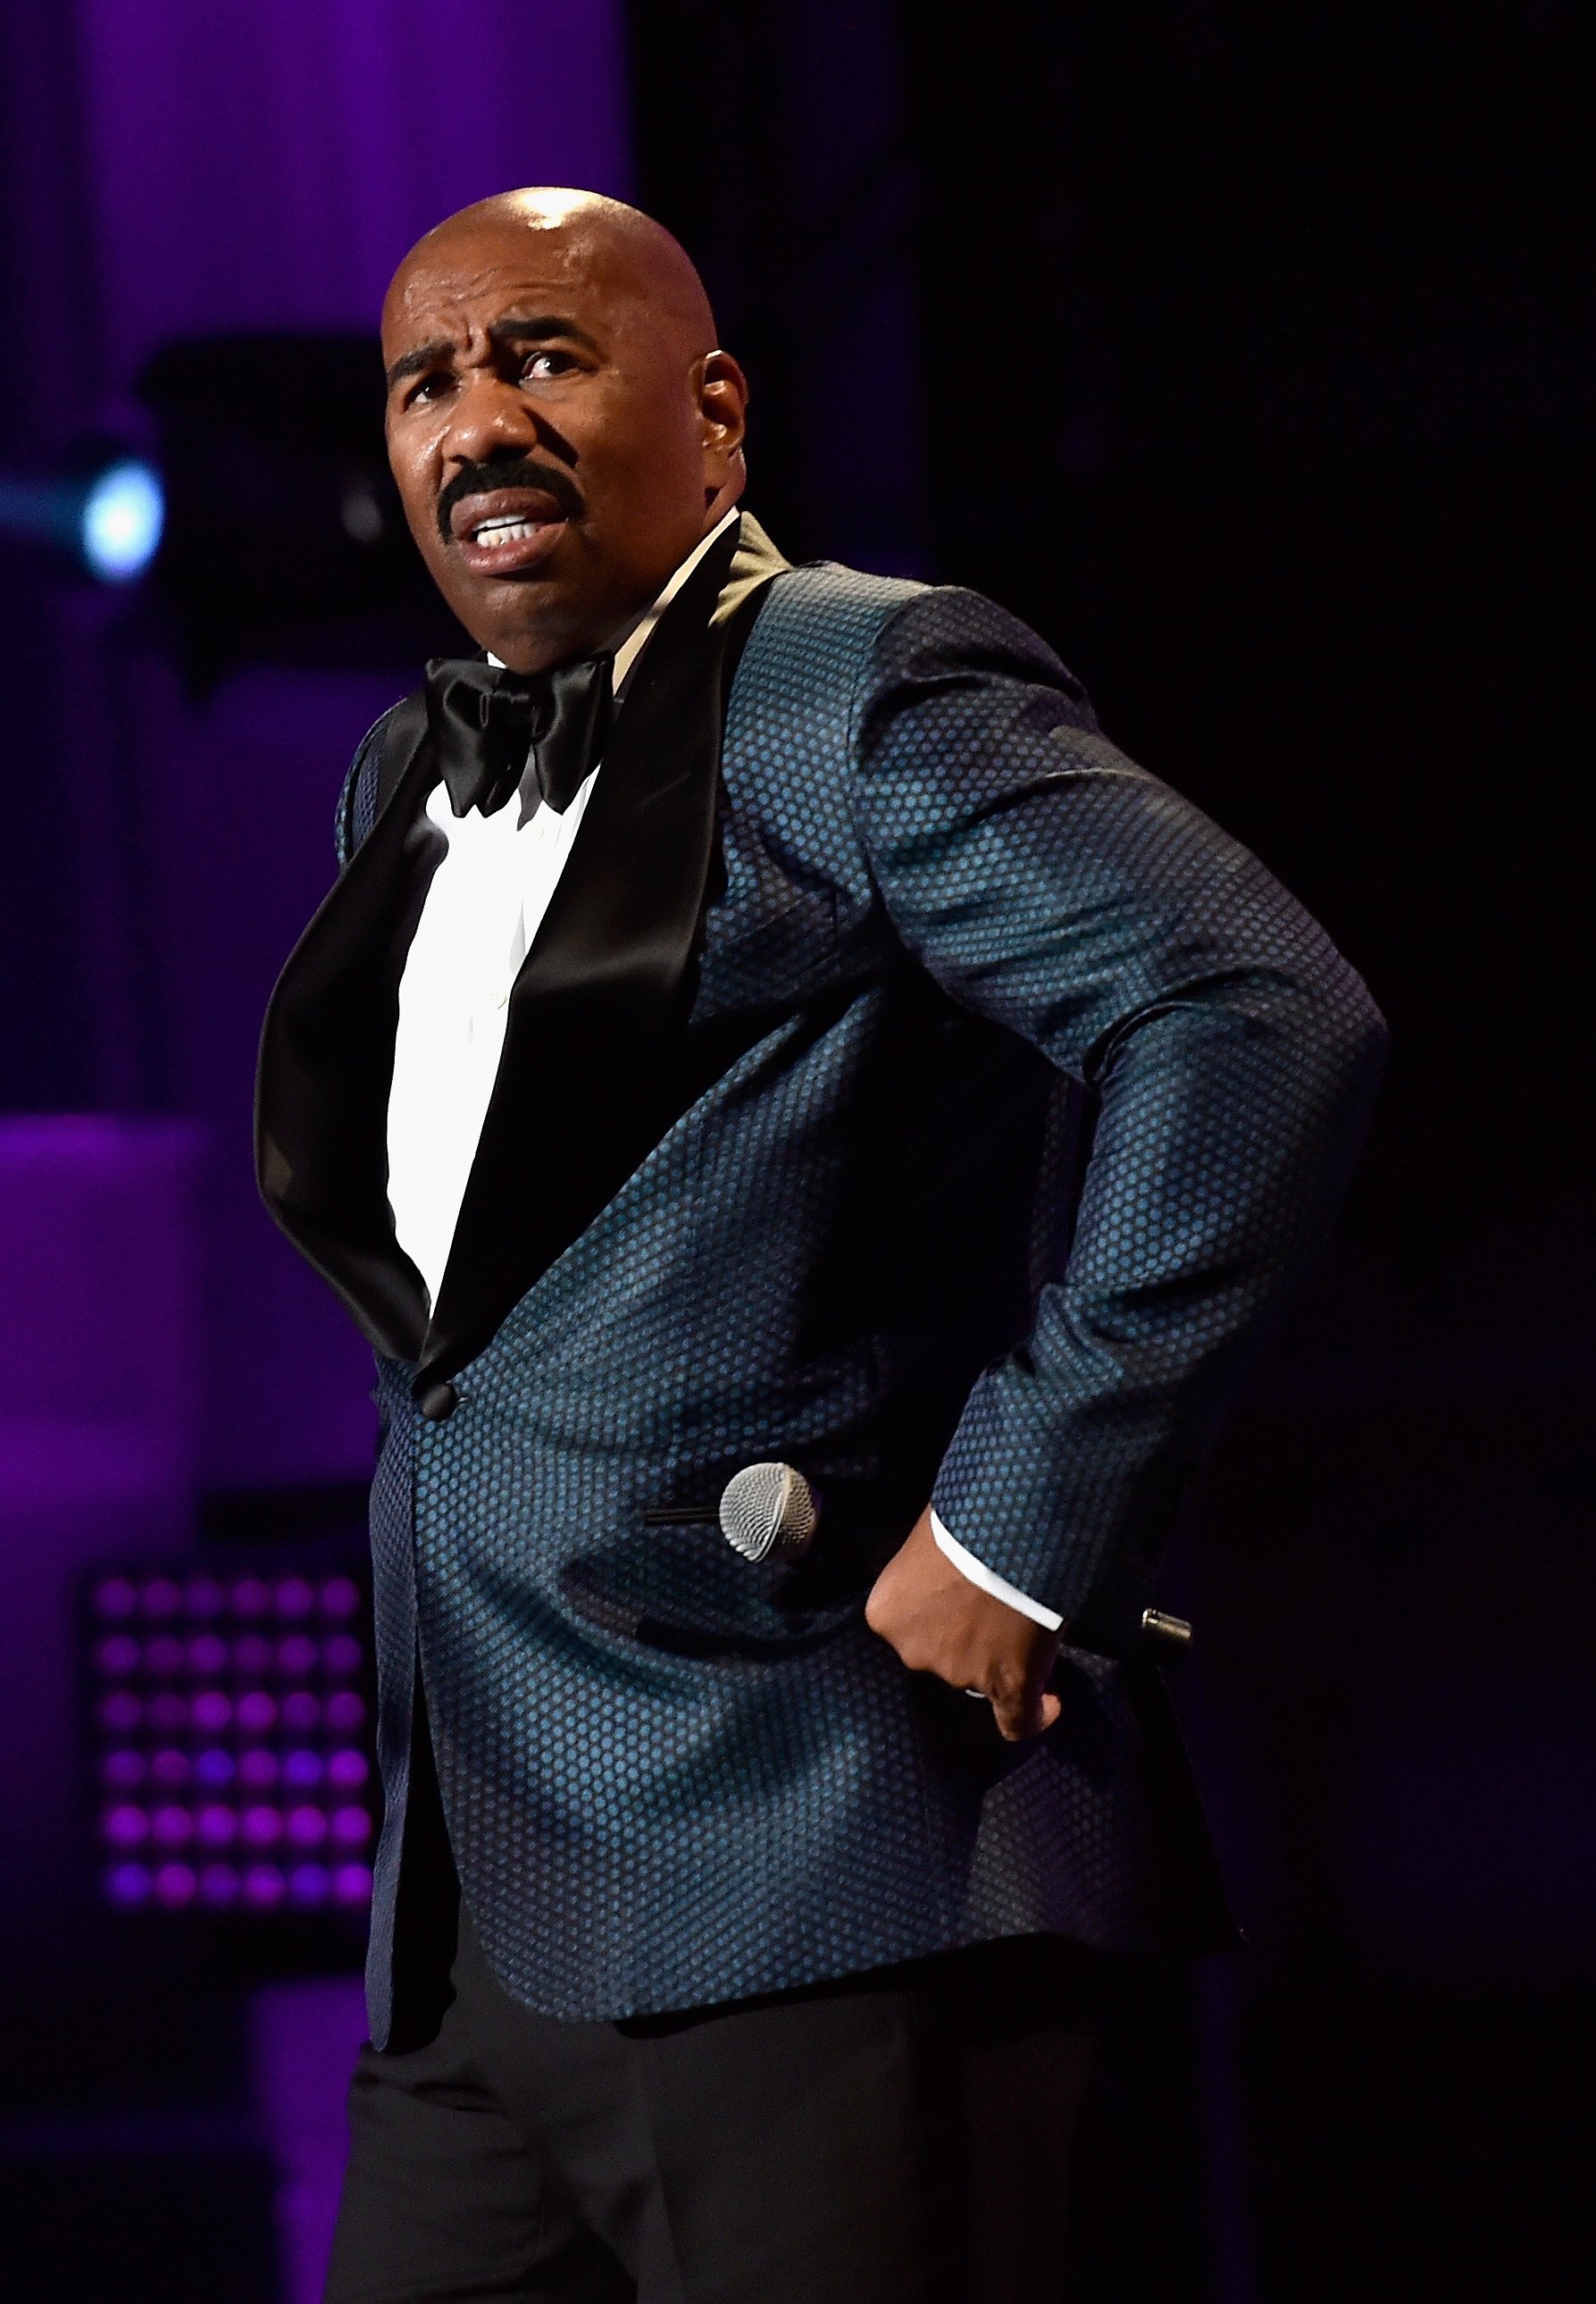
[231,1739]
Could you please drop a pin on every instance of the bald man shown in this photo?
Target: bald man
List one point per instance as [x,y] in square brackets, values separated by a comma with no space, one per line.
[760,1018]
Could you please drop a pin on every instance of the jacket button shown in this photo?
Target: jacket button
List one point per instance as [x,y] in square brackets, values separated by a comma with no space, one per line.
[438,1401]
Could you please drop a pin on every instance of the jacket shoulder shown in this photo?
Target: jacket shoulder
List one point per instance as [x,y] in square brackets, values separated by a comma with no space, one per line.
[807,664]
[380,759]
[841,647]
[954,640]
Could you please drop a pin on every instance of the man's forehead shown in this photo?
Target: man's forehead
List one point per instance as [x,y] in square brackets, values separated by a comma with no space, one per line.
[484,274]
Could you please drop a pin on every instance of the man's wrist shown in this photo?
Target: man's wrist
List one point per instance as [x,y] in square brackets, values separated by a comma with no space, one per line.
[982,1578]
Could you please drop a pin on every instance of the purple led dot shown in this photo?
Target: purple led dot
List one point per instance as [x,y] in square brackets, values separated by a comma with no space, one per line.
[258,1768]
[306,1827]
[351,1827]
[352,1884]
[219,1885]
[263,1888]
[347,1769]
[164,1655]
[262,1826]
[161,1598]
[296,1656]
[249,1598]
[301,1768]
[121,1712]
[294,1597]
[172,1827]
[256,1713]
[127,1884]
[125,1826]
[115,1599]
[214,1768]
[302,1711]
[208,1654]
[168,1713]
[174,1886]
[346,1711]
[124,1770]
[251,1656]
[340,1596]
[309,1884]
[118,1654]
[343,1654]
[204,1598]
[213,1711]
[170,1768]
[216,1826]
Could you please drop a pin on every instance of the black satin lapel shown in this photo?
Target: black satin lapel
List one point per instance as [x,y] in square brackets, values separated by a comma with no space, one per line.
[327,1057]
[597,1009]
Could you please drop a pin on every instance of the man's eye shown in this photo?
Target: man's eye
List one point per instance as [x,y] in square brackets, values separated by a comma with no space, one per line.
[426,388]
[547,363]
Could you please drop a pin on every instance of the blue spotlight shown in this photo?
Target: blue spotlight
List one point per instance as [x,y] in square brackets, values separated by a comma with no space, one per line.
[124,514]
[110,518]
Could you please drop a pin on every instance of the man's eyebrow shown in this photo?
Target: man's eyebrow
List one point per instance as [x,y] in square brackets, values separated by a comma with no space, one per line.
[536,330]
[425,356]
[515,331]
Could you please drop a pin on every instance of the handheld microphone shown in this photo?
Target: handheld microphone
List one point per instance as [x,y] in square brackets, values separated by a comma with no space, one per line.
[769,1511]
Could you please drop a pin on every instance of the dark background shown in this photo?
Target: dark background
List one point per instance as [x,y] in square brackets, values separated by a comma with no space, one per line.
[1251,369]
[1243,352]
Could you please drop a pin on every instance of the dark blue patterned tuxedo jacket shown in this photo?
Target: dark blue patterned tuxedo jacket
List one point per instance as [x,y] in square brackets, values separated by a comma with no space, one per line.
[875,974]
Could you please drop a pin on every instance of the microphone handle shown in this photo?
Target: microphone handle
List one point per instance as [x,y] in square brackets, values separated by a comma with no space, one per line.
[1171,1636]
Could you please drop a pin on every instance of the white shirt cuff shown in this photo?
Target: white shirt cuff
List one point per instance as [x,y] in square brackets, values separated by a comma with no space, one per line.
[982,1576]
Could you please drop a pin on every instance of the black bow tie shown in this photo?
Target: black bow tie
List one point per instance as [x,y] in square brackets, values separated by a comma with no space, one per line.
[486,723]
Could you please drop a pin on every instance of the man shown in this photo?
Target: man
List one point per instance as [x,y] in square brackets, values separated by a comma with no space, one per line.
[738,983]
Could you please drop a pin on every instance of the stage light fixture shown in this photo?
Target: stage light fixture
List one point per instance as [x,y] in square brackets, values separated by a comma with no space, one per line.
[230,1725]
[124,514]
[286,541]
[108,517]
[264,515]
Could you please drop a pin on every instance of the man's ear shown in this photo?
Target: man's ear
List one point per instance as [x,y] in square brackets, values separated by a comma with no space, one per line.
[722,391]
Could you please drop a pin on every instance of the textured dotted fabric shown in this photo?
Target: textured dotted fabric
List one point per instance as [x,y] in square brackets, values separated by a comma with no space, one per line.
[671,1777]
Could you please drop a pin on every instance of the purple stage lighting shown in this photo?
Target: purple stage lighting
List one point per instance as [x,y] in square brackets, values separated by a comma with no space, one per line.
[219,1887]
[175,1885]
[127,1886]
[229,1714]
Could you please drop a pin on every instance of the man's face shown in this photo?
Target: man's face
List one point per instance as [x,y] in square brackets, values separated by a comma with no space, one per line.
[559,441]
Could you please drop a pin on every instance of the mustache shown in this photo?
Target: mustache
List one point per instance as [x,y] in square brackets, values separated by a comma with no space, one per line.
[481,479]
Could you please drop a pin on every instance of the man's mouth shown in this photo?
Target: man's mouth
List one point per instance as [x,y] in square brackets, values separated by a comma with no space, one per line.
[505,532]
[506,529]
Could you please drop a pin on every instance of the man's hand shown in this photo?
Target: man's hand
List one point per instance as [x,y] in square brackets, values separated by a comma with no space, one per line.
[939,1621]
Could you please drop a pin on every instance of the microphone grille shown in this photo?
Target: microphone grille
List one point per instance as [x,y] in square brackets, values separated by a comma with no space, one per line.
[768,1512]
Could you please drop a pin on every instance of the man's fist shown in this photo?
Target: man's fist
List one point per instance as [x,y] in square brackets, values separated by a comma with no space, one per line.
[939,1621]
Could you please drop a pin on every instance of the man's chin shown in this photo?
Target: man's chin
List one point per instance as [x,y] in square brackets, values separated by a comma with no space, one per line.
[524,616]
[527,625]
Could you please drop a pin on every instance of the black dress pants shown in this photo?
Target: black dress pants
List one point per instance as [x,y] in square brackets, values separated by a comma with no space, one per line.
[899,2137]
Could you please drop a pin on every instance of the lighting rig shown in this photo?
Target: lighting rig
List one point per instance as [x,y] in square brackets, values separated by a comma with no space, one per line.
[258,504]
[228,1715]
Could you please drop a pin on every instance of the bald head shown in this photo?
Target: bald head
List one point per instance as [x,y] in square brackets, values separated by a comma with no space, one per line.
[591,235]
[561,425]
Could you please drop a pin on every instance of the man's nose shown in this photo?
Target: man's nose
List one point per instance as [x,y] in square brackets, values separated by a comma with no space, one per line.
[489,414]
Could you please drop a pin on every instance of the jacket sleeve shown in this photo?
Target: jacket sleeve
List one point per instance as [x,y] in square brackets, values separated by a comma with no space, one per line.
[1049,884]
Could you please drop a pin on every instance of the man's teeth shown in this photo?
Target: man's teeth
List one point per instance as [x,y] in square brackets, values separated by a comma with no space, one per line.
[506,532]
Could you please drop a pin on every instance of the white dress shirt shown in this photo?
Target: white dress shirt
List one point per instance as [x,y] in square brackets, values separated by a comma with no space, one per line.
[484,906]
